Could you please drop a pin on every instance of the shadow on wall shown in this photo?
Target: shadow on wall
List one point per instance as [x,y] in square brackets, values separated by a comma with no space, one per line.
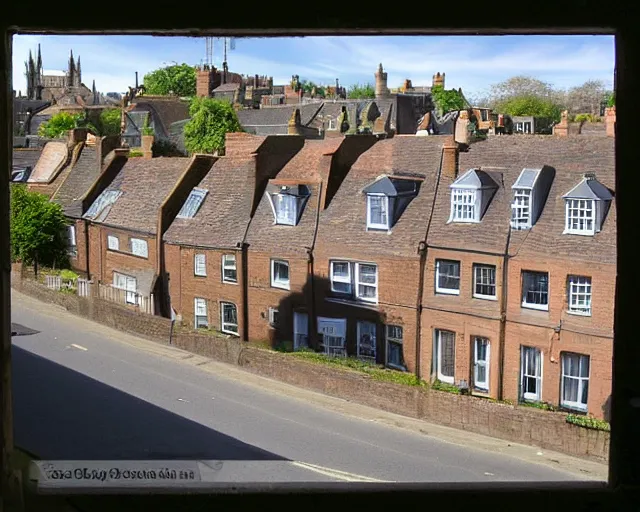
[606,409]
[296,323]
[60,414]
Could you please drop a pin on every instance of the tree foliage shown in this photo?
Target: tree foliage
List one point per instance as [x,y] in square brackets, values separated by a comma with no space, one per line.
[178,79]
[110,120]
[210,120]
[586,98]
[526,96]
[447,100]
[530,106]
[38,228]
[364,91]
[58,125]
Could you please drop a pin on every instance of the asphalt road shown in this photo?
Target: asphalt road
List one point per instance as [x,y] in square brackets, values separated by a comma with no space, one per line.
[81,393]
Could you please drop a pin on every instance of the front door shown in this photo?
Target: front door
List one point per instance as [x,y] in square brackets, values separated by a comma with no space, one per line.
[333,333]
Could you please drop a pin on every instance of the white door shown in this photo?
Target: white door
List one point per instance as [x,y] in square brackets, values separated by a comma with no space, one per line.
[531,372]
[481,363]
[300,330]
[446,356]
[333,333]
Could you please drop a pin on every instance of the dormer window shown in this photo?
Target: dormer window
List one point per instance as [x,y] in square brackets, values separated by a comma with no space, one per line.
[471,194]
[586,206]
[105,200]
[287,202]
[387,198]
[530,192]
[192,204]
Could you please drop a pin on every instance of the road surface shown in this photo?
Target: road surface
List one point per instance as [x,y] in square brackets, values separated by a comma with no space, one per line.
[86,392]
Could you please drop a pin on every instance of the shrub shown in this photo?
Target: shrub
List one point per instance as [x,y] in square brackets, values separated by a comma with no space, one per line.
[588,422]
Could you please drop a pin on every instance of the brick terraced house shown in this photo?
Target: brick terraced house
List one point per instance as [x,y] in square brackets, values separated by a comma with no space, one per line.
[282,234]
[491,269]
[367,260]
[520,279]
[205,251]
[127,209]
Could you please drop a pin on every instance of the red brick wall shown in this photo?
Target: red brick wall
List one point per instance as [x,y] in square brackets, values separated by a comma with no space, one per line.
[180,265]
[262,296]
[590,336]
[397,298]
[463,314]
[123,259]
[79,261]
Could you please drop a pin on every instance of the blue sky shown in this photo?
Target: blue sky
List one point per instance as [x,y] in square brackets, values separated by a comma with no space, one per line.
[473,63]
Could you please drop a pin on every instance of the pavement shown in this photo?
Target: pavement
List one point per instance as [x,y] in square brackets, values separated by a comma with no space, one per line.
[83,391]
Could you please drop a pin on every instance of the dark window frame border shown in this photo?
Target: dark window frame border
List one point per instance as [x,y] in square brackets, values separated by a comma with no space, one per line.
[621,490]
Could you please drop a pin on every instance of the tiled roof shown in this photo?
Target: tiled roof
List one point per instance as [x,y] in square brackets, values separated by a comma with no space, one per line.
[277,115]
[342,229]
[309,166]
[144,185]
[81,176]
[571,157]
[26,157]
[168,110]
[223,217]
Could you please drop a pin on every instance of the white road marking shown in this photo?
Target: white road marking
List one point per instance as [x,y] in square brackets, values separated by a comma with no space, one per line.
[183,400]
[334,473]
[79,347]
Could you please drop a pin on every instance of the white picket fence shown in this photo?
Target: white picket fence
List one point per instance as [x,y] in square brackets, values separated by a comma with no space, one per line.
[84,288]
[119,295]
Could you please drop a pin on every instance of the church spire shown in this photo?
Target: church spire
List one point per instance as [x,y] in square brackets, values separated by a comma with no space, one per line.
[78,73]
[71,72]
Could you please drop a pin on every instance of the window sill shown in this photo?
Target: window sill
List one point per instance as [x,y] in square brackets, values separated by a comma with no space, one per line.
[280,286]
[535,306]
[230,282]
[352,302]
[486,297]
[445,291]
[118,251]
[229,333]
[578,313]
[397,367]
[447,380]
[580,233]
[199,275]
[574,408]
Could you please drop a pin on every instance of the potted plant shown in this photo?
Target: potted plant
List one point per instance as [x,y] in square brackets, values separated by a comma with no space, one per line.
[147,137]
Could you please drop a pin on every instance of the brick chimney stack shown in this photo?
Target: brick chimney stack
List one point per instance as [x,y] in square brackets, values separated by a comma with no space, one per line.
[205,78]
[450,159]
[438,79]
[610,121]
[382,90]
[562,128]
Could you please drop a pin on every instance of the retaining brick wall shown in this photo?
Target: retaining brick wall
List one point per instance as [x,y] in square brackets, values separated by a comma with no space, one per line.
[545,429]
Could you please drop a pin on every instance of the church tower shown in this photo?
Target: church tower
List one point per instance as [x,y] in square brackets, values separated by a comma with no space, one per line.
[382,90]
[71,71]
[78,77]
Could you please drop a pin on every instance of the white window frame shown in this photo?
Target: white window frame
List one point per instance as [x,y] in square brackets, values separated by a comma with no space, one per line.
[531,397]
[224,325]
[193,201]
[441,377]
[336,346]
[579,286]
[528,305]
[448,291]
[200,265]
[358,273]
[72,241]
[332,124]
[228,266]
[394,341]
[139,242]
[580,406]
[364,327]
[384,205]
[278,199]
[571,205]
[518,208]
[279,283]
[341,279]
[113,243]
[478,273]
[131,287]
[200,304]
[465,198]
[300,330]
[477,363]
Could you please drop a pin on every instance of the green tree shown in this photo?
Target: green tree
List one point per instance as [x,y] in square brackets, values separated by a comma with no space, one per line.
[530,106]
[110,120]
[38,229]
[358,91]
[179,79]
[58,125]
[210,120]
[447,101]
